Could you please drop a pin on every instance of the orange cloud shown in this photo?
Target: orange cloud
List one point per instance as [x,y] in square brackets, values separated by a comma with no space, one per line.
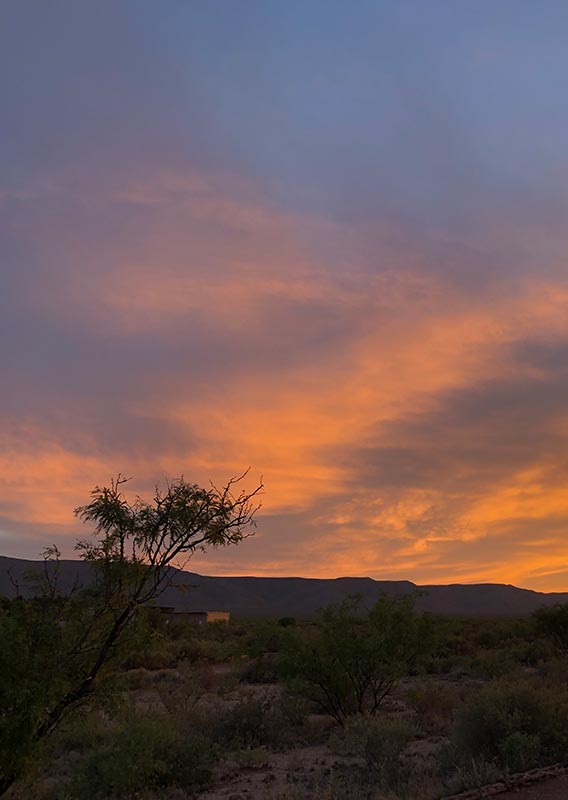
[237,334]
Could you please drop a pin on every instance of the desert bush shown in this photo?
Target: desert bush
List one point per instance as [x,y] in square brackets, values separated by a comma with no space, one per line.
[492,634]
[184,688]
[535,651]
[202,650]
[486,648]
[554,670]
[473,773]
[552,622]
[434,704]
[350,661]
[519,724]
[265,668]
[244,725]
[271,636]
[446,664]
[381,742]
[520,751]
[157,654]
[286,622]
[252,721]
[495,663]
[142,679]
[81,732]
[212,643]
[145,753]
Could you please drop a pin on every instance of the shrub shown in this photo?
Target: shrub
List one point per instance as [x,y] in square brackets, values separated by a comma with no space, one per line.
[264,669]
[434,705]
[471,774]
[145,754]
[183,689]
[381,742]
[350,662]
[271,637]
[254,758]
[81,732]
[136,679]
[495,663]
[202,650]
[519,725]
[258,722]
[552,622]
[155,656]
[242,726]
[520,751]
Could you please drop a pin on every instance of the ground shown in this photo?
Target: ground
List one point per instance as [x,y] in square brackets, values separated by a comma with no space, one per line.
[555,789]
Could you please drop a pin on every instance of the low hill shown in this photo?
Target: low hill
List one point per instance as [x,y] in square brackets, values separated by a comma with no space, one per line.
[250,596]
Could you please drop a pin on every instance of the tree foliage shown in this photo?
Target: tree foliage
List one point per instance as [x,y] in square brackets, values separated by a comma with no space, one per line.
[552,621]
[57,646]
[350,661]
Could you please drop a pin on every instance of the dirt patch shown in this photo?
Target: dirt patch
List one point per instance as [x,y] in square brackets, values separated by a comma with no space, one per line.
[555,789]
[547,783]
[296,767]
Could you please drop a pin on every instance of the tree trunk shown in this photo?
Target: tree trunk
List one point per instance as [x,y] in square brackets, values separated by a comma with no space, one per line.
[6,781]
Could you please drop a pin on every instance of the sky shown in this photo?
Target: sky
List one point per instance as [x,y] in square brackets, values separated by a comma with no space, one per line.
[324,240]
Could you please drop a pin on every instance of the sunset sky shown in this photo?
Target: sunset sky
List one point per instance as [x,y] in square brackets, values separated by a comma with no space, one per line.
[326,240]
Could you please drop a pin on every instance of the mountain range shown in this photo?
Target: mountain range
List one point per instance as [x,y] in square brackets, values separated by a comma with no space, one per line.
[277,597]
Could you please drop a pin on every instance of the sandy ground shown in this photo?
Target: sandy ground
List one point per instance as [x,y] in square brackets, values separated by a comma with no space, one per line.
[254,786]
[265,778]
[555,789]
[281,770]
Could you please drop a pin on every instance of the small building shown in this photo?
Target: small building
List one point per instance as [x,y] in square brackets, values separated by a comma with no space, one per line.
[160,615]
[193,617]
[203,617]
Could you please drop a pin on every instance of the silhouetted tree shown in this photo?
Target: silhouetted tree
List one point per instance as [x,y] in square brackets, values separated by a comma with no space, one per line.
[350,661]
[55,645]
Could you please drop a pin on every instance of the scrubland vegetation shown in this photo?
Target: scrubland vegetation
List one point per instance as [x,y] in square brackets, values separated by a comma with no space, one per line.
[379,703]
[104,698]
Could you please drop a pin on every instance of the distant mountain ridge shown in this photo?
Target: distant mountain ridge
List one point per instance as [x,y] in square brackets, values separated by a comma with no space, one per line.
[277,597]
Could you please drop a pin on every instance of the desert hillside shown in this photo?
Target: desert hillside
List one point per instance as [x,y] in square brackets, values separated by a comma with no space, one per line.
[269,597]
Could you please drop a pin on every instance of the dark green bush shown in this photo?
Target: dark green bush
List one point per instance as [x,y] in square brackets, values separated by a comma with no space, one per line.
[381,741]
[434,705]
[520,751]
[152,659]
[519,724]
[147,753]
[263,669]
[286,622]
[384,744]
[350,660]
[495,663]
[81,732]
[552,622]
[272,722]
